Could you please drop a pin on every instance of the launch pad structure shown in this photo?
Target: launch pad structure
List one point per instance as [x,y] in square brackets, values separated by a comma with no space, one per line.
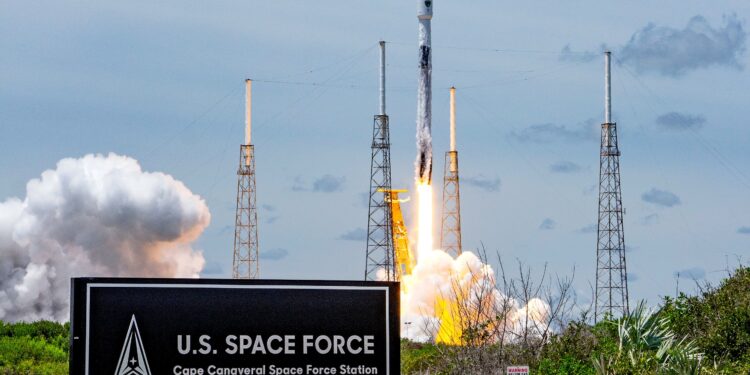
[403,258]
[245,258]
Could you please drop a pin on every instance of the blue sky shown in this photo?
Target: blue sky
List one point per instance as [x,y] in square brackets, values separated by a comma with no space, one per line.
[162,82]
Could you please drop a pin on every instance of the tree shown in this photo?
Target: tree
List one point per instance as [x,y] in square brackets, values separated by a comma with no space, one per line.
[717,319]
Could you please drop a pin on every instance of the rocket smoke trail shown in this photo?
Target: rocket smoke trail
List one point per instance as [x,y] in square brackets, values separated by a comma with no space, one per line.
[424,95]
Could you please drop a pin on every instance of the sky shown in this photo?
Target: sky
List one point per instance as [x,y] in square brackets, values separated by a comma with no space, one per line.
[163,83]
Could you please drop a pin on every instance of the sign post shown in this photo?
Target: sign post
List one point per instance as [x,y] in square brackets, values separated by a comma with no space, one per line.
[222,327]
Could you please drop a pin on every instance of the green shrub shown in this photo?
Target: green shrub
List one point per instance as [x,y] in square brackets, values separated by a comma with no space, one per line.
[27,355]
[718,319]
[570,351]
[34,348]
[417,358]
[567,364]
[42,328]
[647,344]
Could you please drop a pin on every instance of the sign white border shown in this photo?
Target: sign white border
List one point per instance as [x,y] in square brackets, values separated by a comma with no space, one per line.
[243,286]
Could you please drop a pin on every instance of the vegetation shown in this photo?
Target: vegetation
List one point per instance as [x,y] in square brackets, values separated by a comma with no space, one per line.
[34,348]
[718,321]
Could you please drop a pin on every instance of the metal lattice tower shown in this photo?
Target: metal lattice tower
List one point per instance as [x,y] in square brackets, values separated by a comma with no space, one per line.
[245,263]
[379,252]
[611,271]
[450,233]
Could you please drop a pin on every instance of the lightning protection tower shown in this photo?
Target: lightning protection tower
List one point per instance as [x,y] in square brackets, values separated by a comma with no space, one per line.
[245,264]
[379,252]
[611,272]
[450,234]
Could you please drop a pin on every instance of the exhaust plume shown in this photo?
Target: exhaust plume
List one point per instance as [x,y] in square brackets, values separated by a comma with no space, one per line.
[442,291]
[94,216]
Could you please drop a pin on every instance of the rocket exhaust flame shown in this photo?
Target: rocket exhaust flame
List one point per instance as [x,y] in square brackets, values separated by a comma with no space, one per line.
[424,219]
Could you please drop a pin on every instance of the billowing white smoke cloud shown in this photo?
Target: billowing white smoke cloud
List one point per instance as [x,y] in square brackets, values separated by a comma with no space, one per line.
[466,278]
[94,216]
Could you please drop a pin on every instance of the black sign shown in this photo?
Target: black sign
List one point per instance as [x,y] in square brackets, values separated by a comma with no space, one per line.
[233,327]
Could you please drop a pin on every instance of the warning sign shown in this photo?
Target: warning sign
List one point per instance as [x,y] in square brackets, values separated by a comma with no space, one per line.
[517,370]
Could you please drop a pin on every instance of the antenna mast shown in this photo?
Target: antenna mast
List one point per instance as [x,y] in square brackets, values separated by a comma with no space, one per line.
[379,253]
[611,271]
[245,261]
[450,234]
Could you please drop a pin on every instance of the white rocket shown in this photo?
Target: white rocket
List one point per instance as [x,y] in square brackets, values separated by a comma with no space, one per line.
[424,94]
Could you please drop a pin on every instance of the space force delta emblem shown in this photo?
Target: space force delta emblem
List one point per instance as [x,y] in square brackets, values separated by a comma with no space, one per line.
[132,357]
